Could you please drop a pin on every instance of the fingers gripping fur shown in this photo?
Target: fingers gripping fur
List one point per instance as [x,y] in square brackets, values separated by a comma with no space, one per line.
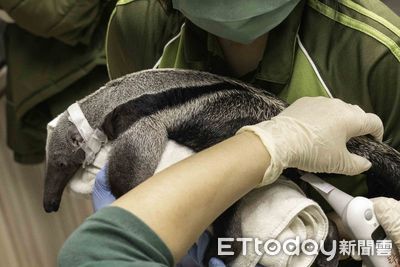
[135,155]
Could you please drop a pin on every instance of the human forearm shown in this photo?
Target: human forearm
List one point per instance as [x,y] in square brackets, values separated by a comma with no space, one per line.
[183,200]
[236,165]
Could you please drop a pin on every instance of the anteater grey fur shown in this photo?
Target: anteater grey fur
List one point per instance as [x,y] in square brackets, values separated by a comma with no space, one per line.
[201,116]
[63,154]
[140,111]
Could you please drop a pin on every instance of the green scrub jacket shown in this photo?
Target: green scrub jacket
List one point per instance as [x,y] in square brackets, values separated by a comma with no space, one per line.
[348,49]
[55,55]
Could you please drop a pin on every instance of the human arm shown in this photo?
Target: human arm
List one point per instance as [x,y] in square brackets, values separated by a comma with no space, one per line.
[236,165]
[129,241]
[310,135]
[181,201]
[102,197]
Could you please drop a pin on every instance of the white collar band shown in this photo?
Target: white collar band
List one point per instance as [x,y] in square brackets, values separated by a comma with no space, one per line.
[93,139]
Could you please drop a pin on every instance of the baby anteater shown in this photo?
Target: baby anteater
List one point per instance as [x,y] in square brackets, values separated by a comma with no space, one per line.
[141,111]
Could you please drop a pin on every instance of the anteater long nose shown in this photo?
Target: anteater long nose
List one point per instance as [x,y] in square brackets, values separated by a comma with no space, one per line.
[51,206]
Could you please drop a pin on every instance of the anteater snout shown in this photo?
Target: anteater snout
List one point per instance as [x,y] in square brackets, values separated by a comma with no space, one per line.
[51,206]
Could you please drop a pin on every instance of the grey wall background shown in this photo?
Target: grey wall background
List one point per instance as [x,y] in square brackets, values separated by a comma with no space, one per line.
[394,4]
[28,235]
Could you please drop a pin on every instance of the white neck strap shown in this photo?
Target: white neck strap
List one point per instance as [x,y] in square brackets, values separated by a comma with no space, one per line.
[93,139]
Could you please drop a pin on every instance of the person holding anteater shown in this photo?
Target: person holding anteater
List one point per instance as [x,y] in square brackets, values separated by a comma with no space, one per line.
[343,49]
[154,224]
[294,48]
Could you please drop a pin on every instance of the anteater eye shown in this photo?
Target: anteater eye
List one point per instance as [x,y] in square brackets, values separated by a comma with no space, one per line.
[62,164]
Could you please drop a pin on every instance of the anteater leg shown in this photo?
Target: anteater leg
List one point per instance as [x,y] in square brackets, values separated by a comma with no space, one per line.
[136,154]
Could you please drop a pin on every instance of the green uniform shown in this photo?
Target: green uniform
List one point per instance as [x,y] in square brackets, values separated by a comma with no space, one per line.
[345,49]
[114,237]
[55,55]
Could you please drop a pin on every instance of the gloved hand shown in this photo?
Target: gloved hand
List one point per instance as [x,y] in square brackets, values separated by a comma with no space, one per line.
[101,195]
[297,138]
[387,211]
[216,262]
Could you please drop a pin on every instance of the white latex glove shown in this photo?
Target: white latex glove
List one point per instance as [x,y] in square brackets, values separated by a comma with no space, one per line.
[387,211]
[311,135]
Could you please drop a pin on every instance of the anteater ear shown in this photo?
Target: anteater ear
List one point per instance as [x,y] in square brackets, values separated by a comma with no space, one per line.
[74,137]
[108,124]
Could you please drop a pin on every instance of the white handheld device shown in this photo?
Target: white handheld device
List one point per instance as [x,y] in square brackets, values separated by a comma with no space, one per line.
[357,214]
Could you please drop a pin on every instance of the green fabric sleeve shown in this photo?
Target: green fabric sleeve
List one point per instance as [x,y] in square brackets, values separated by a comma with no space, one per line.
[137,33]
[70,21]
[384,87]
[46,75]
[114,237]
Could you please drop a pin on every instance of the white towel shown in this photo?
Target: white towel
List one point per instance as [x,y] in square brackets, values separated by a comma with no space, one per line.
[280,211]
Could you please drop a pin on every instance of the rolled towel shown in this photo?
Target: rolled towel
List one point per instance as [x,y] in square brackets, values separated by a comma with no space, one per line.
[280,211]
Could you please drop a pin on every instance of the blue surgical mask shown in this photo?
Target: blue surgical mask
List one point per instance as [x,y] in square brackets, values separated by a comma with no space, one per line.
[241,21]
